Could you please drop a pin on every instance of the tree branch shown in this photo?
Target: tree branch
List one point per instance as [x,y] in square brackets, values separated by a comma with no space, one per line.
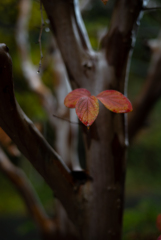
[29,70]
[18,178]
[49,103]
[30,142]
[120,38]
[150,93]
[71,37]
[8,145]
[84,4]
[80,27]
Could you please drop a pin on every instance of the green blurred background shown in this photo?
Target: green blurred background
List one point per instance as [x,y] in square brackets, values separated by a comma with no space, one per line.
[143,183]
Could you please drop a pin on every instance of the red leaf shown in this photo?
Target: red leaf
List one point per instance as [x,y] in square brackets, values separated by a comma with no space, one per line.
[73,97]
[159,238]
[104,1]
[87,106]
[115,101]
[87,109]
[158,222]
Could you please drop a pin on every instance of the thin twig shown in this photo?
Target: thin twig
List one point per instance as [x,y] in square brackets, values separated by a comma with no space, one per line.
[67,120]
[33,79]
[40,35]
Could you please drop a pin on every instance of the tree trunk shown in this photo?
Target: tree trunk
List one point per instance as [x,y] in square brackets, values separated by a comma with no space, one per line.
[103,196]
[96,206]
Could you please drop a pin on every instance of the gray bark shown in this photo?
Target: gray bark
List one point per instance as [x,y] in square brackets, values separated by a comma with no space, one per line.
[105,141]
[95,207]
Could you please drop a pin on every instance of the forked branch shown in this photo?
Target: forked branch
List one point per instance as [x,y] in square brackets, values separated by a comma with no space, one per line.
[71,36]
[49,102]
[30,142]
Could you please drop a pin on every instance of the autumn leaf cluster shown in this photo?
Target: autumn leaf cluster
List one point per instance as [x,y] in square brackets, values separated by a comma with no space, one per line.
[87,106]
